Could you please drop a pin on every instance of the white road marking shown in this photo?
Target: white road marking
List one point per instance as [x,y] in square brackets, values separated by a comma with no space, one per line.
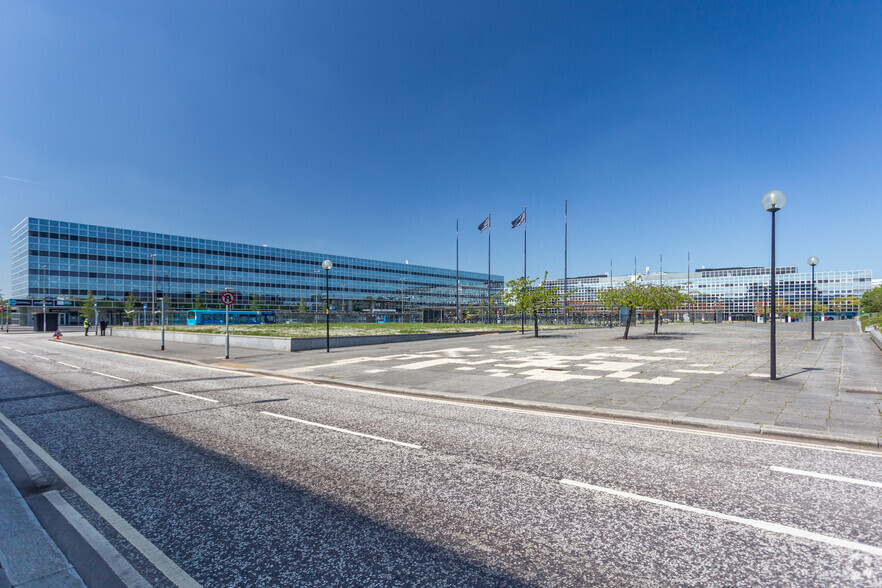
[611,421]
[170,569]
[20,351]
[827,477]
[5,347]
[763,525]
[109,376]
[71,366]
[184,394]
[41,357]
[697,372]
[339,430]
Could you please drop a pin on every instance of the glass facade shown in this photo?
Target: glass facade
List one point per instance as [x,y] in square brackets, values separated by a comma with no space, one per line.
[739,293]
[58,259]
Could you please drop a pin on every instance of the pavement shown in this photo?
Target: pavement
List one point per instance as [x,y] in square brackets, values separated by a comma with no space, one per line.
[712,376]
[28,556]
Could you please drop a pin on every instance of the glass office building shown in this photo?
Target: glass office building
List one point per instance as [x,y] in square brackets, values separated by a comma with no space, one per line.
[737,293]
[63,260]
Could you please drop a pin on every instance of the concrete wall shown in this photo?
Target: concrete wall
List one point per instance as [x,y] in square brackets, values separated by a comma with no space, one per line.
[286,344]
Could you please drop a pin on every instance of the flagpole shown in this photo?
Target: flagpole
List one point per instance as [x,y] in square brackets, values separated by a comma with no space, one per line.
[524,310]
[565,262]
[457,270]
[489,228]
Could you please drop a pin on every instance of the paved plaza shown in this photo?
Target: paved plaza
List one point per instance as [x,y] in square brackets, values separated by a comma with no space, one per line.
[709,375]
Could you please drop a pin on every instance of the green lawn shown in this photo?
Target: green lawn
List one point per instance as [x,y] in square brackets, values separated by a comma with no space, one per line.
[874,318]
[349,329]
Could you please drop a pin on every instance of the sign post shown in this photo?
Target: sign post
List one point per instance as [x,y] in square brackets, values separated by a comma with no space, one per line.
[227,298]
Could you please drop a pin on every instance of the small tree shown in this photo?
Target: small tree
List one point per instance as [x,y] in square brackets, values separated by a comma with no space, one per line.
[658,298]
[198,304]
[871,301]
[842,304]
[302,307]
[522,296]
[631,295]
[87,306]
[254,304]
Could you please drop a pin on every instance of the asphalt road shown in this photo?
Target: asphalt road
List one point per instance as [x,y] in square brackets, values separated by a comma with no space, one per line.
[244,481]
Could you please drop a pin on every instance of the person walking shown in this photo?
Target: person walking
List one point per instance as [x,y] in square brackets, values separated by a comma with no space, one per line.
[86,326]
[103,325]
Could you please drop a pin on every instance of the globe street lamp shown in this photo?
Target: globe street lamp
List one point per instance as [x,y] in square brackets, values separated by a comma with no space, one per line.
[813,261]
[773,202]
[327,265]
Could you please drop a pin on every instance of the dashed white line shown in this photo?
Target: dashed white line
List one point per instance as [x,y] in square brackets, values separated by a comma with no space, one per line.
[827,477]
[5,347]
[170,569]
[184,394]
[76,367]
[339,430]
[109,376]
[763,525]
[20,351]
[41,357]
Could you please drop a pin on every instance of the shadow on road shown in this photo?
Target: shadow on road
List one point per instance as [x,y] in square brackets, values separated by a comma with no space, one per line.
[204,502]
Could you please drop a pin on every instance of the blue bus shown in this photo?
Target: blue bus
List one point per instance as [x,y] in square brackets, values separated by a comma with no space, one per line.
[237,317]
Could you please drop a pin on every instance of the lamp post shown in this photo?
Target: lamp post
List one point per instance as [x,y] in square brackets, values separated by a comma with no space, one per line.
[327,265]
[813,261]
[44,297]
[153,298]
[773,202]
[402,298]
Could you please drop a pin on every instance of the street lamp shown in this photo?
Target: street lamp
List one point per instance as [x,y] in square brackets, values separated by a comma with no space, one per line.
[402,298]
[773,202]
[327,265]
[813,261]
[153,298]
[44,298]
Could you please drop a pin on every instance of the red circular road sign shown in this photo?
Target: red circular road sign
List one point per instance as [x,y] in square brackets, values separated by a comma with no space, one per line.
[228,298]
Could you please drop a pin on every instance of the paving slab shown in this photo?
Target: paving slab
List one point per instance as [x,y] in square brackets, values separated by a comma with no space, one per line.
[710,372]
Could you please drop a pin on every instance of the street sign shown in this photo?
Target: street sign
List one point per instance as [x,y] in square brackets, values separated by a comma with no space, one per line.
[227,298]
[14,302]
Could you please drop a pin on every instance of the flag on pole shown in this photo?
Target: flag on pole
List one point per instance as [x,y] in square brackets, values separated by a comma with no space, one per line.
[520,220]
[485,224]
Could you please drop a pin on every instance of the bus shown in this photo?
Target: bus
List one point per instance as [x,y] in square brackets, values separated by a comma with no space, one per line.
[237,317]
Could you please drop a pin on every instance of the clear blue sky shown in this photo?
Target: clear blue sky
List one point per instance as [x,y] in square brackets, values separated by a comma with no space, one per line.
[367,128]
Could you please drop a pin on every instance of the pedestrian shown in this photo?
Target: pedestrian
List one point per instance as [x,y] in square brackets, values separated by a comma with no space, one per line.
[86,326]
[103,324]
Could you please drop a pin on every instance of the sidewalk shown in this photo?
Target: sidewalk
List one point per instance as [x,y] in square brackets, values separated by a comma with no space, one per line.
[714,376]
[28,556]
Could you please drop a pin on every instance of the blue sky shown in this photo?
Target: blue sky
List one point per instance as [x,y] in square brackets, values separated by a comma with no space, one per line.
[368,128]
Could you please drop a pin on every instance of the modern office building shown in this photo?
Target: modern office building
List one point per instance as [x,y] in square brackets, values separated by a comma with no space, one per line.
[64,261]
[737,293]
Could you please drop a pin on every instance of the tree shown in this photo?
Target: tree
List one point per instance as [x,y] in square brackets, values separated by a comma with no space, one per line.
[254,304]
[521,295]
[87,306]
[871,301]
[302,307]
[631,295]
[842,304]
[198,304]
[658,298]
